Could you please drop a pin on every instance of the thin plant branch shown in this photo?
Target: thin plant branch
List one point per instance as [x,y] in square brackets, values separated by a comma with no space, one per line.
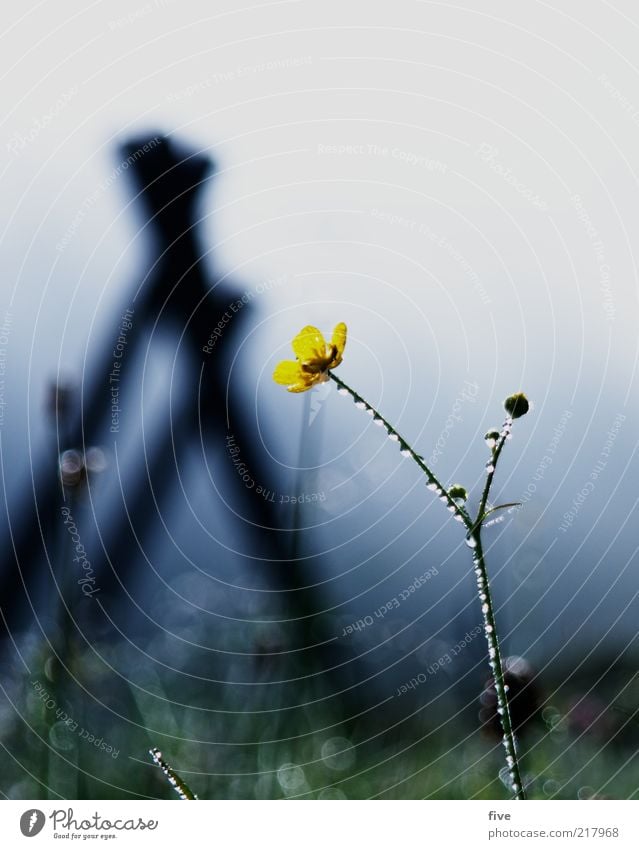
[473,540]
[177,783]
[314,363]
[406,450]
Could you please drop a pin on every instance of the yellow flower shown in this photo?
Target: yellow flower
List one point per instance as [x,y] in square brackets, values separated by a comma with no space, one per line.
[315,358]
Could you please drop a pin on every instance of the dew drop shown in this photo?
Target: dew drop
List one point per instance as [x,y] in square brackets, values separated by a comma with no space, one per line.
[95,459]
[586,793]
[405,452]
[452,509]
[343,392]
[360,405]
[490,468]
[432,487]
[471,542]
[71,467]
[379,422]
[393,437]
[61,737]
[459,518]
[290,777]
[370,411]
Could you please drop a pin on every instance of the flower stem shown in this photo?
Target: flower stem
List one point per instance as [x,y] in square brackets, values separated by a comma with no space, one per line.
[494,659]
[503,436]
[490,626]
[406,449]
[483,585]
[177,783]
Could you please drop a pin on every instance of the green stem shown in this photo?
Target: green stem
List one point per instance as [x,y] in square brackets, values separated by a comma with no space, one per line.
[177,783]
[404,446]
[490,625]
[496,453]
[494,659]
[483,584]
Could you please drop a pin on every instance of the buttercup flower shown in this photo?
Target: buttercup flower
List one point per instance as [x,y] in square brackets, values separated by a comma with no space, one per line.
[315,358]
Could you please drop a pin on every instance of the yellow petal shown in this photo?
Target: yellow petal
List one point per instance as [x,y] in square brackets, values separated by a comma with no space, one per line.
[339,341]
[287,373]
[309,344]
[300,387]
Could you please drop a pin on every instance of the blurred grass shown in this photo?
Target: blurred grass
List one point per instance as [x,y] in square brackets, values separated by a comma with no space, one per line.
[307,753]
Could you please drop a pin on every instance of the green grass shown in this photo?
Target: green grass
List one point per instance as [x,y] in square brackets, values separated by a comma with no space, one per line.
[284,754]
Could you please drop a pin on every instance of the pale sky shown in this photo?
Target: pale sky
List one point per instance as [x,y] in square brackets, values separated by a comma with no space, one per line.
[458,184]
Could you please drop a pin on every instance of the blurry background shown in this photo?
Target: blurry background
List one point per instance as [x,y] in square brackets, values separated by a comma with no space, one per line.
[457,184]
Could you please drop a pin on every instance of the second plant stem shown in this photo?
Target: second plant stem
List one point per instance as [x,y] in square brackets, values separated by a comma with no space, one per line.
[483,584]
[496,666]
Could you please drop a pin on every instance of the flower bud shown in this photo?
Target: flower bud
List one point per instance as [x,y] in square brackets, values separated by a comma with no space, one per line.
[458,493]
[516,405]
[491,438]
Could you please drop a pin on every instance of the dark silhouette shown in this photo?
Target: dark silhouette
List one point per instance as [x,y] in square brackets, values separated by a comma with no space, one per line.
[176,293]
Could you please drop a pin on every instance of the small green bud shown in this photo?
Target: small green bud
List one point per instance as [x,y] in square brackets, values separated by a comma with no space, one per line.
[491,438]
[458,493]
[516,405]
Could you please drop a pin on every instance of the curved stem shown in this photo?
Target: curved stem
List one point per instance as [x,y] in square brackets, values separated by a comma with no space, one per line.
[483,585]
[503,436]
[490,625]
[405,447]
[494,655]
[177,783]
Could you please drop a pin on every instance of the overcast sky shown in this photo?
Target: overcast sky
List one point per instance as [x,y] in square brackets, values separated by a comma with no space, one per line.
[458,184]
